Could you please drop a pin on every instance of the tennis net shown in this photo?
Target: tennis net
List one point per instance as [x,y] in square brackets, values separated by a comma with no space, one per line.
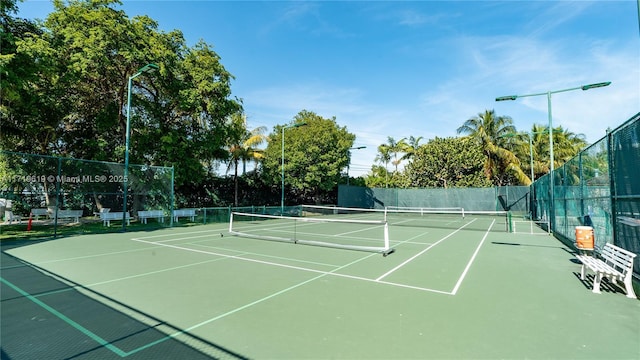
[445,218]
[350,234]
[337,212]
[451,219]
[423,209]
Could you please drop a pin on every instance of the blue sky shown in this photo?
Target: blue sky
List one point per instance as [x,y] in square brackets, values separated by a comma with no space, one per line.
[415,68]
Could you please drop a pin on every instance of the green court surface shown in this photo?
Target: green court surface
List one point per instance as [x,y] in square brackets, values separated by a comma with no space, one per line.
[199,292]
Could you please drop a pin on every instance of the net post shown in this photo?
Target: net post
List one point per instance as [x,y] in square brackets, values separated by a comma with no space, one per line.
[386,235]
[462,211]
[295,230]
[509,222]
[231,222]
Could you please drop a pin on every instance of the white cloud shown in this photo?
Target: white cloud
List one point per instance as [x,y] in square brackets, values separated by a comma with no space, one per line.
[498,66]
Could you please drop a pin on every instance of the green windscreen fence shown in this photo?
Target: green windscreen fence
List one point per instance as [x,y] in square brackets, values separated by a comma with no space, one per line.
[625,191]
[507,198]
[600,187]
[46,195]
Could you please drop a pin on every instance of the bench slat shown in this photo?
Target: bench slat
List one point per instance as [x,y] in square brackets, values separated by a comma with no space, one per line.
[613,262]
[143,215]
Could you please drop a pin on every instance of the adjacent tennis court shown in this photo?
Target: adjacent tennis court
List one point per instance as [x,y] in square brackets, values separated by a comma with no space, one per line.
[455,288]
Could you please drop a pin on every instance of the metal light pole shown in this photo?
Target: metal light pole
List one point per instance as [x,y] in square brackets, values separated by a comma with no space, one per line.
[282,164]
[551,165]
[144,69]
[348,165]
[530,134]
[531,155]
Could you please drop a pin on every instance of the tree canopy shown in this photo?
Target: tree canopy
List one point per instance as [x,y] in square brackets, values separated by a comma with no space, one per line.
[71,96]
[316,153]
[66,82]
[447,162]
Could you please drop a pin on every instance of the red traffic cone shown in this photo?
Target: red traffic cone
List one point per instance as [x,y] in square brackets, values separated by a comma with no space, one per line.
[29,224]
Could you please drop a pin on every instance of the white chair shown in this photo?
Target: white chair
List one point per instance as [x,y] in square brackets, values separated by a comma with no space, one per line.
[10,217]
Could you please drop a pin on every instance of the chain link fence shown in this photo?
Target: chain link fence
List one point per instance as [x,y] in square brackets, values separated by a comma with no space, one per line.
[47,196]
[600,187]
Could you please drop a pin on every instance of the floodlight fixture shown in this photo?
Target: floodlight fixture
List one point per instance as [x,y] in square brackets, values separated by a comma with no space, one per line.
[551,158]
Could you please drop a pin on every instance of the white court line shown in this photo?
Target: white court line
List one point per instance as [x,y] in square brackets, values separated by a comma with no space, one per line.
[263,255]
[154,272]
[332,273]
[95,255]
[355,231]
[186,238]
[466,269]
[158,245]
[421,252]
[231,312]
[184,233]
[253,231]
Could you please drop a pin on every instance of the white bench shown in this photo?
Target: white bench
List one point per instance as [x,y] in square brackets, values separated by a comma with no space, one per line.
[51,211]
[150,214]
[190,213]
[614,263]
[629,221]
[68,214]
[102,210]
[107,217]
[10,217]
[39,212]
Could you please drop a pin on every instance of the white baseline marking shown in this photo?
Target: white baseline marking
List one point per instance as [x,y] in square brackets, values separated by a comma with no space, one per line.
[466,269]
[421,252]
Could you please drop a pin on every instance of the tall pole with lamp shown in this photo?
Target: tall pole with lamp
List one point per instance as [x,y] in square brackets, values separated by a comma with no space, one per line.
[142,70]
[551,165]
[348,165]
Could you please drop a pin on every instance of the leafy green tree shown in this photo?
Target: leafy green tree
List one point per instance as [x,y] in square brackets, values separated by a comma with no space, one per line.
[377,177]
[490,133]
[30,87]
[315,155]
[448,162]
[183,114]
[74,90]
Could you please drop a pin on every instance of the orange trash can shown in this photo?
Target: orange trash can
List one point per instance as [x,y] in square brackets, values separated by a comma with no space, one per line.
[584,238]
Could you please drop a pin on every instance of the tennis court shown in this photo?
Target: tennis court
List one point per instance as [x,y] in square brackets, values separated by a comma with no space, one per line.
[463,289]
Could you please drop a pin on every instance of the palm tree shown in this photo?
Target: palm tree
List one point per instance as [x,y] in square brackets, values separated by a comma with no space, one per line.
[566,145]
[393,147]
[411,147]
[540,147]
[384,156]
[494,135]
[396,147]
[243,147]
